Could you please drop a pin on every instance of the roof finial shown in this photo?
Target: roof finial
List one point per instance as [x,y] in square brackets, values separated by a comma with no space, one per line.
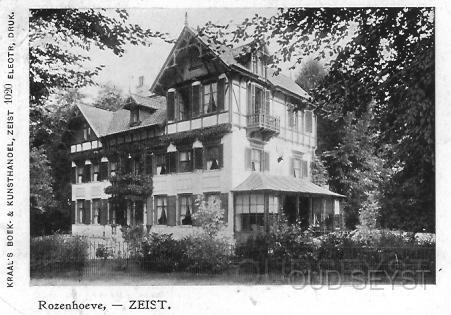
[186,18]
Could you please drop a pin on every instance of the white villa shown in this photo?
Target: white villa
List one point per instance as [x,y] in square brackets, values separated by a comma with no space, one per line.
[218,124]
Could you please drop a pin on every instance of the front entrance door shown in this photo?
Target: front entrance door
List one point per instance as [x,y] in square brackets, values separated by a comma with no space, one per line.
[289,208]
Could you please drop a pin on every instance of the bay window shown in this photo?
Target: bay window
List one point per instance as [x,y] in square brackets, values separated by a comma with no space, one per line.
[250,211]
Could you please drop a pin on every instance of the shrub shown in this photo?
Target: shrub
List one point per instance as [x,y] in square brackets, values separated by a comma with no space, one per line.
[160,252]
[205,254]
[57,252]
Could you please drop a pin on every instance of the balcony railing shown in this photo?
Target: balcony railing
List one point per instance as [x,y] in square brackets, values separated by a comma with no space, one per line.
[264,121]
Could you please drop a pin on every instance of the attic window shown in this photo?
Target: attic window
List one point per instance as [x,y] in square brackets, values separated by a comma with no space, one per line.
[134,117]
[86,132]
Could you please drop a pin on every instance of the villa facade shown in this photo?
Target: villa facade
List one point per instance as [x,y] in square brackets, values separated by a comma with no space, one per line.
[218,123]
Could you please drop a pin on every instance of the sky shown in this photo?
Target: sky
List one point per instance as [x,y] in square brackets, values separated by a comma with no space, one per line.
[124,71]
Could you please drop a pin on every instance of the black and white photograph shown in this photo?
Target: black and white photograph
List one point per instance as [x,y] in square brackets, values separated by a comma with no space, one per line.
[228,146]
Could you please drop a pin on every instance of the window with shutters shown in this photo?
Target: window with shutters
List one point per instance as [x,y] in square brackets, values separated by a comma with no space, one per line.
[185,161]
[213,157]
[161,204]
[185,209]
[256,160]
[209,98]
[160,163]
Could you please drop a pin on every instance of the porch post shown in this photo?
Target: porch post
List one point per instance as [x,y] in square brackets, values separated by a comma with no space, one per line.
[266,209]
[310,205]
[324,215]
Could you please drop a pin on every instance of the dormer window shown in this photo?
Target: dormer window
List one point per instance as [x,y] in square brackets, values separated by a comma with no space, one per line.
[134,117]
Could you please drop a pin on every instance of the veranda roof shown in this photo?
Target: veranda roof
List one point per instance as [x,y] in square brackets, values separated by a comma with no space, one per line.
[262,182]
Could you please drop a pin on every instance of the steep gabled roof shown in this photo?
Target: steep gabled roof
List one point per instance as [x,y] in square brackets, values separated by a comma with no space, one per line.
[228,56]
[104,122]
[99,119]
[262,182]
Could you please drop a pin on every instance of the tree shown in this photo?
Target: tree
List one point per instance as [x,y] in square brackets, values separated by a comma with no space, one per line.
[384,54]
[109,97]
[311,74]
[41,191]
[60,42]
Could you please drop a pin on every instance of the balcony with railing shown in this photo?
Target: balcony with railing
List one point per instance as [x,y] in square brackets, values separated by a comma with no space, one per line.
[263,123]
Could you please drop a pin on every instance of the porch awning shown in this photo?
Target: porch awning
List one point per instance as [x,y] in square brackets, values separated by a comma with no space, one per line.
[262,182]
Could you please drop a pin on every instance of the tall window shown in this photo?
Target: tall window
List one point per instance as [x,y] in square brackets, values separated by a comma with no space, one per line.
[96,210]
[80,204]
[80,170]
[198,158]
[300,168]
[209,101]
[256,160]
[86,131]
[183,100]
[186,209]
[212,158]
[161,207]
[185,161]
[171,162]
[292,117]
[309,121]
[87,173]
[160,162]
